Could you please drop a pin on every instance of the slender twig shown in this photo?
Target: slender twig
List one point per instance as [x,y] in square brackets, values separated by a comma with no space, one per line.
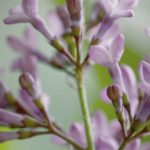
[85,109]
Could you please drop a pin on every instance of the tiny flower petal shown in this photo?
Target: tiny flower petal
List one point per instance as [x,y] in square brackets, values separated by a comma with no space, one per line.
[17,18]
[30,7]
[55,23]
[117,48]
[145,146]
[103,144]
[77,133]
[144,72]
[100,55]
[134,145]
[144,111]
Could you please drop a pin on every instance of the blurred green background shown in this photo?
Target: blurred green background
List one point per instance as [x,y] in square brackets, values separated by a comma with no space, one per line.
[64,104]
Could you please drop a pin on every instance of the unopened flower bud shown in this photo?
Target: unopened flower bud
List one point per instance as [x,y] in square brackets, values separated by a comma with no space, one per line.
[113,92]
[27,83]
[75,8]
[30,122]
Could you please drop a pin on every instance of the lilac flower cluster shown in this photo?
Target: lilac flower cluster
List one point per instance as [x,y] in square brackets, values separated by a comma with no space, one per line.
[28,114]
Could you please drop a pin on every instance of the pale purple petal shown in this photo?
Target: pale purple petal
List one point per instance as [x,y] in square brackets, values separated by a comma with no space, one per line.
[129,80]
[100,55]
[16,15]
[145,146]
[144,111]
[104,97]
[40,25]
[11,118]
[6,136]
[144,72]
[134,145]
[17,44]
[147,31]
[31,37]
[104,26]
[112,32]
[103,144]
[117,48]
[26,64]
[115,130]
[123,13]
[17,18]
[77,133]
[99,125]
[27,103]
[55,23]
[107,5]
[58,140]
[128,4]
[116,75]
[30,7]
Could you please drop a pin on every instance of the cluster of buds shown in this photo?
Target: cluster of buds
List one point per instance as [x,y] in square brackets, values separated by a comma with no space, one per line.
[65,32]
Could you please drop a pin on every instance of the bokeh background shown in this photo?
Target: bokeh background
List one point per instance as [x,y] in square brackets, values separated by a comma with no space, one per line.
[64,105]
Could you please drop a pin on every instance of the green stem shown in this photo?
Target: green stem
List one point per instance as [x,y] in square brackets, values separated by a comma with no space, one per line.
[84,108]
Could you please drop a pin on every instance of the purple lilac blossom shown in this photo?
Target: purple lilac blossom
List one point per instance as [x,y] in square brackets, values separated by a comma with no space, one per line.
[28,12]
[102,130]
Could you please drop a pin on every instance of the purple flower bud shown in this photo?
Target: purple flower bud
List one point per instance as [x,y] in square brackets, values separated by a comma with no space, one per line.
[6,136]
[28,83]
[75,9]
[64,17]
[114,92]
[10,118]
[28,104]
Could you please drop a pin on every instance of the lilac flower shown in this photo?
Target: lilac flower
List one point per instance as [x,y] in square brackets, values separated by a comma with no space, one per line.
[114,10]
[109,54]
[59,18]
[27,46]
[28,12]
[102,130]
